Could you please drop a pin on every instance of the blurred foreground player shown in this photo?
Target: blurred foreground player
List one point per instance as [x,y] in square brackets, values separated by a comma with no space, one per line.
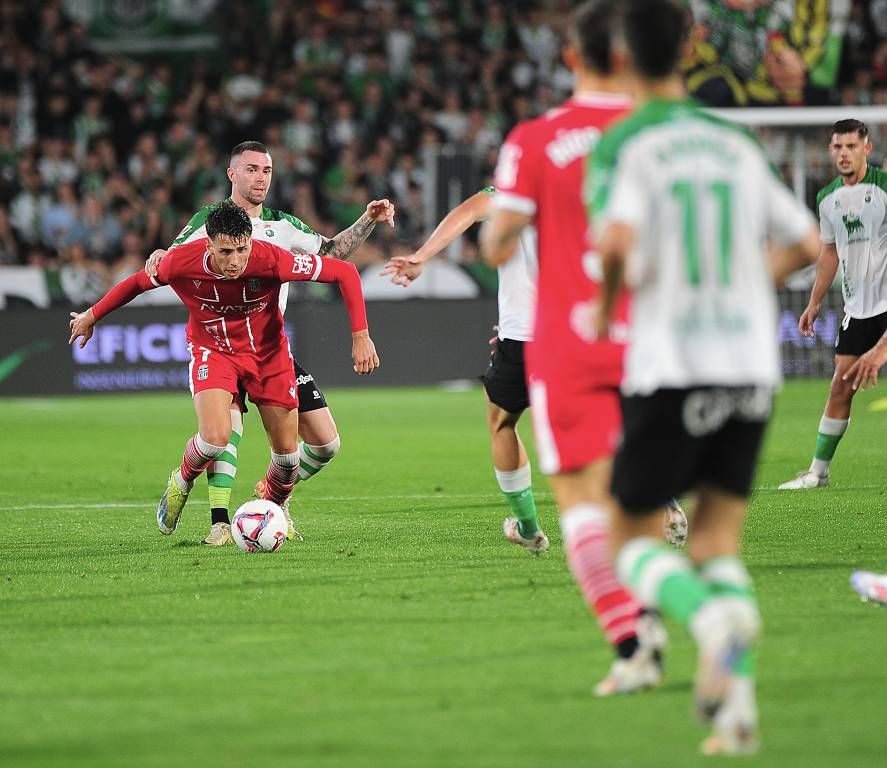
[683,205]
[573,380]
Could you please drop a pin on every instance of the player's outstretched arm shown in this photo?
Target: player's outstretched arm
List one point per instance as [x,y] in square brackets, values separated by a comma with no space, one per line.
[306,266]
[405,269]
[500,235]
[826,269]
[125,291]
[346,243]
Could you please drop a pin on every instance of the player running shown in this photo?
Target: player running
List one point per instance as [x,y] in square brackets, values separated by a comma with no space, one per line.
[573,380]
[683,205]
[250,172]
[505,383]
[853,230]
[230,285]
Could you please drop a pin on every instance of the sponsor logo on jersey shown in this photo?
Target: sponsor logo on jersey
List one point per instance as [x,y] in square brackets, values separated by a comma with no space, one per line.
[197,283]
[304,379]
[303,264]
[292,392]
[855,228]
[571,145]
[241,309]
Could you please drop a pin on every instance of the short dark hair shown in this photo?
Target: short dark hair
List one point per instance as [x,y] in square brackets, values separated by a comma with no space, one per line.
[591,29]
[249,146]
[227,218]
[655,31]
[850,126]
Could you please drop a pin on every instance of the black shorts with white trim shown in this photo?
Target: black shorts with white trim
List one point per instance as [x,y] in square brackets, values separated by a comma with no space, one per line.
[675,440]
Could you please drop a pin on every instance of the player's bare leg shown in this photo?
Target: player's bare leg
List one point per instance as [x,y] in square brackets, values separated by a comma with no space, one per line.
[213,431]
[715,601]
[282,429]
[585,503]
[512,467]
[320,442]
[832,426]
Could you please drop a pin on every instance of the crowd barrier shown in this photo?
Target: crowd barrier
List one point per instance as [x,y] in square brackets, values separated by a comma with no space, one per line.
[423,341]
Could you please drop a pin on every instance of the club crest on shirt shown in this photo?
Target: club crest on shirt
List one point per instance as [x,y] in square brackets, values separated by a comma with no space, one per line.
[868,197]
[253,284]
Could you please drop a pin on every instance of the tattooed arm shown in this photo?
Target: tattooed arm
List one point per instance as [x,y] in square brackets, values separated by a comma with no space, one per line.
[346,243]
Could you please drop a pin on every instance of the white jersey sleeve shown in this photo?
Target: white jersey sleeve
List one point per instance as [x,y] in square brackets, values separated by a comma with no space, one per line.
[826,228]
[788,218]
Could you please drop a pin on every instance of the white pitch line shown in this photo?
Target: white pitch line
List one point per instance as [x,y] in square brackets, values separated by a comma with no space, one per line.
[412,496]
[148,504]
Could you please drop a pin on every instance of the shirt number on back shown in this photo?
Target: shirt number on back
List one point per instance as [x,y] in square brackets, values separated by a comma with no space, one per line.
[721,194]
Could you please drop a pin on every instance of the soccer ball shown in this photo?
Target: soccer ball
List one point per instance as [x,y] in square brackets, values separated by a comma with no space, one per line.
[259,526]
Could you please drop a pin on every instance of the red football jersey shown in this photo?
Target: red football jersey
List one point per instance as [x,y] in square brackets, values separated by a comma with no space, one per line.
[241,315]
[540,173]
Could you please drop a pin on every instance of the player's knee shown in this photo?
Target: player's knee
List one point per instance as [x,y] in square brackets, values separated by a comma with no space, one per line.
[501,421]
[327,450]
[841,391]
[216,435]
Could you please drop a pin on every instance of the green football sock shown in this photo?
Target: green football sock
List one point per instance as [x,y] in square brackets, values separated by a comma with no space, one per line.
[727,576]
[830,433]
[661,578]
[314,458]
[516,486]
[220,474]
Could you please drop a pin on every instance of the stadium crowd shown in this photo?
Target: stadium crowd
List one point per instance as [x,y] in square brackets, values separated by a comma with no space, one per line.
[103,157]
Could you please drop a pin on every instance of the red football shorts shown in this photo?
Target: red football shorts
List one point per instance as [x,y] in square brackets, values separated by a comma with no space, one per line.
[575,407]
[271,381]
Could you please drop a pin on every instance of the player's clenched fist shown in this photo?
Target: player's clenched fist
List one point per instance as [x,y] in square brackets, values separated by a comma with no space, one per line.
[381,210]
[363,352]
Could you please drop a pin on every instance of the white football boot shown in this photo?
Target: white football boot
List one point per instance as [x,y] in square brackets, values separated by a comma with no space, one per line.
[735,727]
[219,535]
[537,544]
[804,480]
[643,669]
[871,587]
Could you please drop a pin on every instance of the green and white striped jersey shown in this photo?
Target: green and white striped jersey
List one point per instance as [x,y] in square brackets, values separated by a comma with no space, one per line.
[703,201]
[273,226]
[854,218]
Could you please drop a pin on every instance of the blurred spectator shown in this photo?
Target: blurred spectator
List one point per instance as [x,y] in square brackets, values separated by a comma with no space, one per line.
[10,249]
[28,207]
[82,279]
[748,52]
[60,218]
[354,102]
[97,230]
[132,258]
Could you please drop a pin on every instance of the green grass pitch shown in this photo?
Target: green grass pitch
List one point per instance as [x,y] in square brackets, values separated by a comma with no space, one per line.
[404,631]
